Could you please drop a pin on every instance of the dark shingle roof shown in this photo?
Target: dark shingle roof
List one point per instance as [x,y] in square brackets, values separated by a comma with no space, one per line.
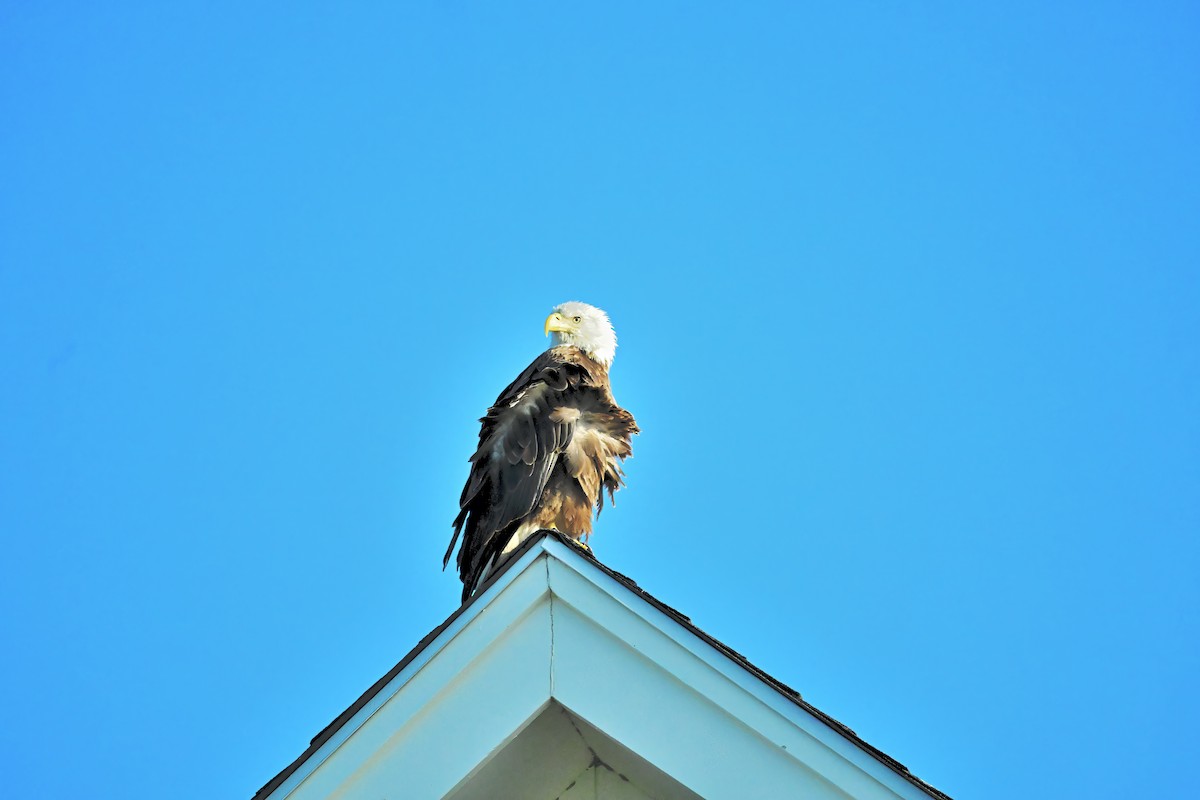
[780,687]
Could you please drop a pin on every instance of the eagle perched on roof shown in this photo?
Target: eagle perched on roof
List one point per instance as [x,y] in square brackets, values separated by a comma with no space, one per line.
[550,445]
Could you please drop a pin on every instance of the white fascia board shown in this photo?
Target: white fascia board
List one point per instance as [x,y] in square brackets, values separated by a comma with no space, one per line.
[442,675]
[710,674]
[417,748]
[668,722]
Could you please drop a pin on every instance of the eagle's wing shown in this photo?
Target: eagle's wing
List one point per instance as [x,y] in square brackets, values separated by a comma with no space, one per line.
[519,444]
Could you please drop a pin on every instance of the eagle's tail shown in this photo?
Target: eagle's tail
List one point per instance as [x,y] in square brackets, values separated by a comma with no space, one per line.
[458,526]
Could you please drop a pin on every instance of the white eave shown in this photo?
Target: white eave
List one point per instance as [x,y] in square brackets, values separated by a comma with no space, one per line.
[558,642]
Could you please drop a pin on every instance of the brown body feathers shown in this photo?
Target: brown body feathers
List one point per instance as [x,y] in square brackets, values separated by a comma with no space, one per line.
[549,448]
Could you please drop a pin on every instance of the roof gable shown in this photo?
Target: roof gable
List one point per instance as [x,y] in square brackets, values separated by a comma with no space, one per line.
[557,635]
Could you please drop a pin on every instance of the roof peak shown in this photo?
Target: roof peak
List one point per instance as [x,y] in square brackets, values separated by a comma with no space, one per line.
[592,594]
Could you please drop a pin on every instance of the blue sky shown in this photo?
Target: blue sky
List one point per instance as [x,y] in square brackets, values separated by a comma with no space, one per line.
[908,298]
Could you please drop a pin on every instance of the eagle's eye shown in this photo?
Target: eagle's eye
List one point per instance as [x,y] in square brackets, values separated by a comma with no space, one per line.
[578,319]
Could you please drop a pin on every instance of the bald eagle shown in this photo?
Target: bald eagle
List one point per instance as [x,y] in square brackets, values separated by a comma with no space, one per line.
[550,445]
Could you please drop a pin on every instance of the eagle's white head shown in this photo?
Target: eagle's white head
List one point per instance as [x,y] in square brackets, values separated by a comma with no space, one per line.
[585,327]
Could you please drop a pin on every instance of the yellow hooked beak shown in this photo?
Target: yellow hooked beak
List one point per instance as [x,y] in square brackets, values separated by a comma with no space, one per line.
[557,322]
